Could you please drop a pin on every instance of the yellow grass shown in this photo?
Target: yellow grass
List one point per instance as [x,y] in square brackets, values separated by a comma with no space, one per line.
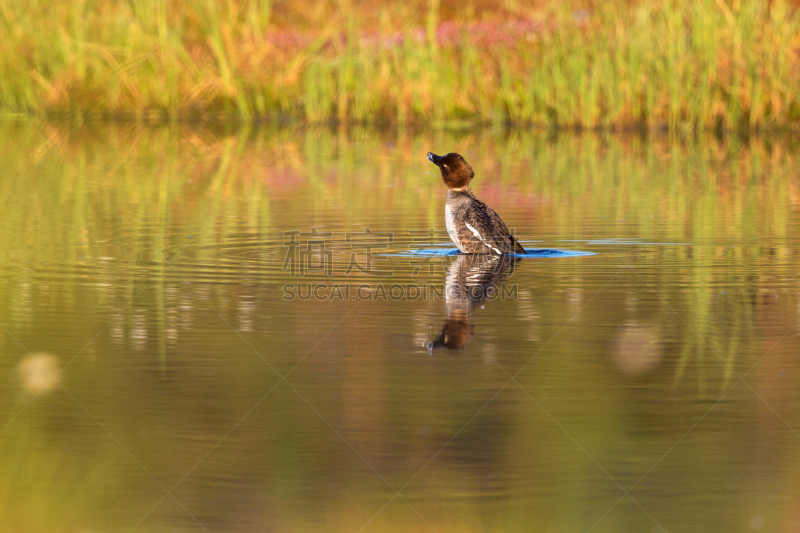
[668,65]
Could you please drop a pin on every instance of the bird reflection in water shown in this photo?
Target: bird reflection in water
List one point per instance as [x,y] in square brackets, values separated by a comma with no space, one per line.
[471,279]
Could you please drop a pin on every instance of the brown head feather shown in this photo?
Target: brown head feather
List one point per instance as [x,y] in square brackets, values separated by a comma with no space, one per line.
[456,172]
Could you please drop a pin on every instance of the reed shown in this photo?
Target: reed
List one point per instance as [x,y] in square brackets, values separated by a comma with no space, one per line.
[671,65]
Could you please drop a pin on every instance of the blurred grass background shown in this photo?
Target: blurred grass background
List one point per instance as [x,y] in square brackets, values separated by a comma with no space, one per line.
[710,64]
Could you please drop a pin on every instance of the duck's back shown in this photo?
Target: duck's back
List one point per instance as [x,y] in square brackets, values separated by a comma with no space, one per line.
[475,228]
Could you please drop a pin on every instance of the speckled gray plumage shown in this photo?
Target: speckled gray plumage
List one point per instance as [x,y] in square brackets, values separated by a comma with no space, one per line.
[475,228]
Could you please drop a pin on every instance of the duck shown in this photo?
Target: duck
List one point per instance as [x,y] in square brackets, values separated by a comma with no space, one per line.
[473,226]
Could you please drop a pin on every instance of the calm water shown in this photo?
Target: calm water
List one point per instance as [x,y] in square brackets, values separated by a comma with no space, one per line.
[242,339]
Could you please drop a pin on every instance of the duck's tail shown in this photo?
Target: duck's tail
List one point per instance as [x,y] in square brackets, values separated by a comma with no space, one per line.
[518,249]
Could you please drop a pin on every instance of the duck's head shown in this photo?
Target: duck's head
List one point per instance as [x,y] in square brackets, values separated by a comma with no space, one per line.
[456,172]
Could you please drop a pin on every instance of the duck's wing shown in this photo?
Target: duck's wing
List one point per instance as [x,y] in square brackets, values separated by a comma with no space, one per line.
[481,230]
[515,246]
[494,235]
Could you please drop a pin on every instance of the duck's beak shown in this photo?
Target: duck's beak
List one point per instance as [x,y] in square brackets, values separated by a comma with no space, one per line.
[433,158]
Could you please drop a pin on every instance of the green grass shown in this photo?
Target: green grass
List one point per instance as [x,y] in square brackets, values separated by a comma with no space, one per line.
[650,65]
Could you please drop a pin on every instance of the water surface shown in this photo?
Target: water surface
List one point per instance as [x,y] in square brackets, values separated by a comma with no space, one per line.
[226,331]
